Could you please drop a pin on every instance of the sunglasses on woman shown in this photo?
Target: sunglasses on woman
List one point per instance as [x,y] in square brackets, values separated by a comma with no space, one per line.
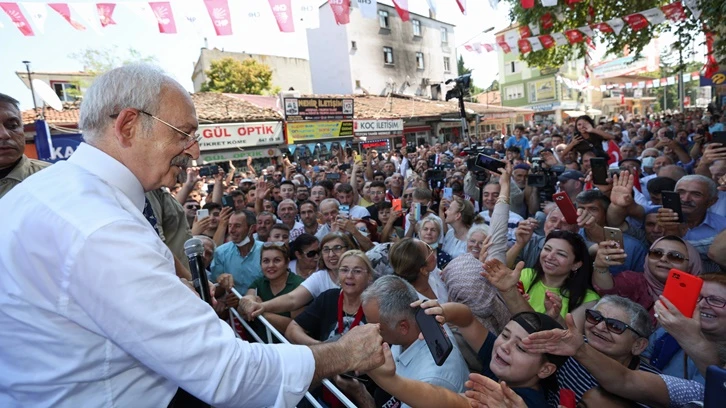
[671,256]
[613,325]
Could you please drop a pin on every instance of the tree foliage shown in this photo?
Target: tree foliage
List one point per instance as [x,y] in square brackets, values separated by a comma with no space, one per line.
[576,15]
[98,61]
[244,77]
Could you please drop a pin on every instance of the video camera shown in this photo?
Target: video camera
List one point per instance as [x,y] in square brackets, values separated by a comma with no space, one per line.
[461,87]
[544,178]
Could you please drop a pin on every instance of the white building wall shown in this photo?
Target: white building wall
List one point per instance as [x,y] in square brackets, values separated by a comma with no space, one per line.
[328,49]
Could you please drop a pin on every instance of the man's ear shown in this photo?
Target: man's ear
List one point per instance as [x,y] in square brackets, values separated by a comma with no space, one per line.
[125,126]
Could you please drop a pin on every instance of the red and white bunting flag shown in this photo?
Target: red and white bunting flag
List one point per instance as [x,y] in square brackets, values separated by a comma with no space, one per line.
[368,9]
[502,43]
[534,29]
[602,27]
[524,31]
[164,16]
[571,2]
[307,14]
[283,14]
[654,16]
[38,13]
[534,43]
[628,85]
[587,31]
[488,47]
[671,80]
[462,6]
[13,11]
[511,37]
[547,21]
[549,3]
[649,84]
[477,48]
[656,83]
[603,88]
[616,24]
[641,84]
[547,41]
[574,36]
[219,13]
[527,4]
[674,11]
[695,76]
[693,6]
[560,38]
[402,9]
[468,47]
[663,81]
[341,11]
[65,12]
[636,21]
[105,13]
[524,46]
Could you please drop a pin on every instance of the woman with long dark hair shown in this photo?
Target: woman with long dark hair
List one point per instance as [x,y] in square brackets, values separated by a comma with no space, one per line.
[305,255]
[559,283]
[589,138]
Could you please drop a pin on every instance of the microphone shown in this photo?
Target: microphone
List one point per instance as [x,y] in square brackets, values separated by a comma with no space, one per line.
[194,248]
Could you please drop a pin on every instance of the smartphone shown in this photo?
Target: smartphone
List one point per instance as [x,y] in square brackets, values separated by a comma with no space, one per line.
[344,167]
[228,201]
[268,177]
[208,171]
[615,234]
[358,159]
[612,172]
[397,204]
[599,168]
[435,336]
[489,163]
[715,387]
[568,399]
[202,214]
[719,137]
[565,205]
[344,211]
[672,200]
[448,193]
[417,211]
[683,289]
[332,176]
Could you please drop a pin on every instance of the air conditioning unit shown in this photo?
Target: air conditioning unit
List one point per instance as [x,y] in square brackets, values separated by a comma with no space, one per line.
[424,81]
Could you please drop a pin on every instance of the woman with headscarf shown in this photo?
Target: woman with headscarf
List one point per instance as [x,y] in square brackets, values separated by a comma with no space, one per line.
[669,252]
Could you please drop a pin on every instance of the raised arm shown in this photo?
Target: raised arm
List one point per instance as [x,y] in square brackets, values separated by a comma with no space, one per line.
[299,297]
[717,250]
[219,184]
[505,280]
[188,186]
[500,217]
[460,316]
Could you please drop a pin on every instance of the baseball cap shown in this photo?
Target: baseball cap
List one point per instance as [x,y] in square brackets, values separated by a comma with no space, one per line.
[246,181]
[570,175]
[634,160]
[521,166]
[533,322]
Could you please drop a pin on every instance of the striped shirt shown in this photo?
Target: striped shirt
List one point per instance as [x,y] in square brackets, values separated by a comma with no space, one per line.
[512,223]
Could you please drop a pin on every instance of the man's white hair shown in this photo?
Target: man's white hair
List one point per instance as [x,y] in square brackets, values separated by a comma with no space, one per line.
[131,86]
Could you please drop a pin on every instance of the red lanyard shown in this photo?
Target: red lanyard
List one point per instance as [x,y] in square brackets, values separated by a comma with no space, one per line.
[356,320]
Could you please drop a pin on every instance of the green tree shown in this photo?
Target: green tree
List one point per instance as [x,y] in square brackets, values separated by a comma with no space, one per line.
[243,77]
[493,87]
[98,61]
[669,67]
[577,15]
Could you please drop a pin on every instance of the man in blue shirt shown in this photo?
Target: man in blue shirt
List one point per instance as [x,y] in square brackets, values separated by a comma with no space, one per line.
[241,256]
[518,140]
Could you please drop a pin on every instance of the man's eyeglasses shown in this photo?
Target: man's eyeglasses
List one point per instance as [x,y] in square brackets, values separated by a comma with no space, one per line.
[192,207]
[338,249]
[312,254]
[613,325]
[714,301]
[671,256]
[191,138]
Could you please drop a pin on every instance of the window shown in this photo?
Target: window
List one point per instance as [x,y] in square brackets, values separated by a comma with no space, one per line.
[62,90]
[447,64]
[353,45]
[388,55]
[513,92]
[513,67]
[416,28]
[383,18]
[419,60]
[444,35]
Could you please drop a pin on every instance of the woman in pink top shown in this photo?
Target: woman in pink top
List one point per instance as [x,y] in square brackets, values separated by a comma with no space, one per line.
[669,252]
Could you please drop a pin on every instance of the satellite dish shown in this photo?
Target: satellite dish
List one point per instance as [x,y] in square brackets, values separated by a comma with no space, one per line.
[46,93]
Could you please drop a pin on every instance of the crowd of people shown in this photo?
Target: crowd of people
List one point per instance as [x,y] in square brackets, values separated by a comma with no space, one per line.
[538,303]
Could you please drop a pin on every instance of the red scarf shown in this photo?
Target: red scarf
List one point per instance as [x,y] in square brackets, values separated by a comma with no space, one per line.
[356,320]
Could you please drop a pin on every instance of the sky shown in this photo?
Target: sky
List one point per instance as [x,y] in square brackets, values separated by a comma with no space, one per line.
[177,53]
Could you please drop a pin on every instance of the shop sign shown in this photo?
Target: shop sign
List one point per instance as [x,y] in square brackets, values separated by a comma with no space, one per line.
[542,90]
[378,127]
[236,154]
[308,131]
[240,135]
[300,109]
[374,144]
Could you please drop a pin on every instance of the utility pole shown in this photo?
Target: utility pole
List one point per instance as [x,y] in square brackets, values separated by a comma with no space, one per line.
[30,81]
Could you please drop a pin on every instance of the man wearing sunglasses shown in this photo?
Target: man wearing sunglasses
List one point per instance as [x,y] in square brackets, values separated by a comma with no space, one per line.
[118,327]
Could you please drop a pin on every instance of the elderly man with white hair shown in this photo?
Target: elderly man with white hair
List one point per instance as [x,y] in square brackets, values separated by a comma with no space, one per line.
[91,310]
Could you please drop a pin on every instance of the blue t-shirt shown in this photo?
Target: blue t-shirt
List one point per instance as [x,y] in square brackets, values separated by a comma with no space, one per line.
[532,397]
[522,143]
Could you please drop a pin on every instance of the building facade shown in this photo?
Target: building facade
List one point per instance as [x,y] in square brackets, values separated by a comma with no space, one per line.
[382,56]
[69,86]
[286,72]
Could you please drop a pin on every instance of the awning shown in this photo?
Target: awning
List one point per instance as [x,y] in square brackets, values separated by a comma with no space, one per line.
[574,113]
[594,112]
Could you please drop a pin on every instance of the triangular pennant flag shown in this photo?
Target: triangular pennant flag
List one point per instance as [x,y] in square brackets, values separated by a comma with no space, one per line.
[192,16]
[654,16]
[164,16]
[524,31]
[502,43]
[17,17]
[641,84]
[105,13]
[368,8]
[432,5]
[462,6]
[307,14]
[574,36]
[534,29]
[219,13]
[674,11]
[546,21]
[524,46]
[511,37]
[341,11]
[38,13]
[693,6]
[527,4]
[89,13]
[616,24]
[549,3]
[328,145]
[469,47]
[560,38]
[402,9]
[656,83]
[602,27]
[547,41]
[686,77]
[494,4]
[343,143]
[695,76]
[291,148]
[671,80]
[477,48]
[311,147]
[636,21]
[142,10]
[535,44]
[586,30]
[282,11]
[664,81]
[488,47]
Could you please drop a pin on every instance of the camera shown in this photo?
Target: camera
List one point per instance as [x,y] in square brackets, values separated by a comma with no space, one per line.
[461,87]
[544,179]
[208,171]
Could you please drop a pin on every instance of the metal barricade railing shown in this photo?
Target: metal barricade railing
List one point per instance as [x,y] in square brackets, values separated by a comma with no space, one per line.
[271,331]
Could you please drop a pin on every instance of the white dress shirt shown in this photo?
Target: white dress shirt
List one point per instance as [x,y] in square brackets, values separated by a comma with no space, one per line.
[92,313]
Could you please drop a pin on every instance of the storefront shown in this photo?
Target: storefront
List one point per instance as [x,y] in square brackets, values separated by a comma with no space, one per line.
[238,141]
[383,135]
[416,133]
[318,139]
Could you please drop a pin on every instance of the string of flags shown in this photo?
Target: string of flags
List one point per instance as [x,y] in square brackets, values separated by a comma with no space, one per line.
[529,38]
[584,83]
[214,14]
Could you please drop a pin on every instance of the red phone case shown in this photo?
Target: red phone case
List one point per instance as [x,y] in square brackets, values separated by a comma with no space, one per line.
[396,204]
[682,289]
[567,398]
[566,206]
